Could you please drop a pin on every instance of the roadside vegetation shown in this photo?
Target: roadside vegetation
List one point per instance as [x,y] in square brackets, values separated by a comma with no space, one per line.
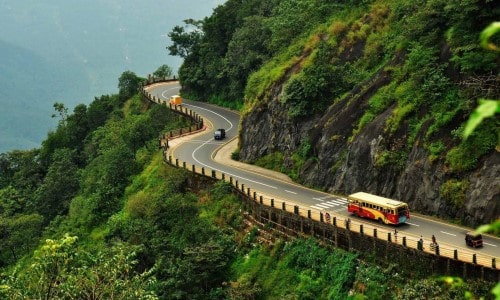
[101,216]
[310,54]
[96,214]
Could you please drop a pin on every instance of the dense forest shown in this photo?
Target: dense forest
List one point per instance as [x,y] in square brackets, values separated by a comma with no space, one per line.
[94,213]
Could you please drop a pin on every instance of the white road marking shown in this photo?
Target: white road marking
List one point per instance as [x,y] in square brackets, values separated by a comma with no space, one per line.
[323,205]
[168,90]
[489,244]
[412,224]
[334,200]
[202,142]
[210,141]
[448,233]
[337,202]
[225,119]
[328,204]
[316,207]
[291,192]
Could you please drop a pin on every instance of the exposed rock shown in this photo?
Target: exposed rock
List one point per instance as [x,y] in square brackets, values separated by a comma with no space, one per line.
[344,167]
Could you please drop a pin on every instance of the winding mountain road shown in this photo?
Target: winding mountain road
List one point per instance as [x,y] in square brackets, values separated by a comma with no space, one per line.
[202,150]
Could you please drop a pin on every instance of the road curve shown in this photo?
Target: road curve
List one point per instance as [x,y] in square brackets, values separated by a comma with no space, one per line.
[201,150]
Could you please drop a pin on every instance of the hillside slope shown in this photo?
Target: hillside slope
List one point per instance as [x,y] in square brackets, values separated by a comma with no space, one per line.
[361,96]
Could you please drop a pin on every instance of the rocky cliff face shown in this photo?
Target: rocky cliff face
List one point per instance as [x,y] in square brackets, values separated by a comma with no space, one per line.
[346,166]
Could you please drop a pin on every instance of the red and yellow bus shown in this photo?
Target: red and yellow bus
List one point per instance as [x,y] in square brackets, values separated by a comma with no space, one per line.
[378,208]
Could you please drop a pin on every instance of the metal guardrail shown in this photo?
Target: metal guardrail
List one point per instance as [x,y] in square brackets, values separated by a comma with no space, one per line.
[378,232]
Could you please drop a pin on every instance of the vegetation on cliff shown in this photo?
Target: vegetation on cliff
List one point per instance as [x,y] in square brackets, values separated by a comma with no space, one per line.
[410,72]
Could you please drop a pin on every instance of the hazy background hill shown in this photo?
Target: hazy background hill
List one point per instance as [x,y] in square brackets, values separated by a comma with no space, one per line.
[71,51]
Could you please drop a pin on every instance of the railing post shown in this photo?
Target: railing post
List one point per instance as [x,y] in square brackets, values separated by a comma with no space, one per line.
[455,254]
[493,263]
[474,259]
[213,173]
[176,162]
[170,159]
[361,229]
[296,209]
[389,239]
[202,170]
[335,221]
[283,206]
[309,213]
[374,232]
[404,241]
[272,202]
[243,188]
[193,168]
[223,176]
[184,164]
[321,217]
[254,196]
[261,199]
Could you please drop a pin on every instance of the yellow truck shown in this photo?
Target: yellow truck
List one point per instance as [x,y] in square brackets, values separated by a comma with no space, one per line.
[175,100]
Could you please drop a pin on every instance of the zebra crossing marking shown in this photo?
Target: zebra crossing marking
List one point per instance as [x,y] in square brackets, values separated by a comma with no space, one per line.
[328,204]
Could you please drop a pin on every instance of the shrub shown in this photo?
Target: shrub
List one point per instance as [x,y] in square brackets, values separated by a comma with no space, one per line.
[465,156]
[273,161]
[435,150]
[391,158]
[453,191]
[398,115]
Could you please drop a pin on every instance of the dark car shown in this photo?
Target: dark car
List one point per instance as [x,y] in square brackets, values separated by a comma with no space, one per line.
[473,239]
[220,134]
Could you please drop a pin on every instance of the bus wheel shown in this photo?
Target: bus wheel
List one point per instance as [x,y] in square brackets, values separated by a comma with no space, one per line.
[381,221]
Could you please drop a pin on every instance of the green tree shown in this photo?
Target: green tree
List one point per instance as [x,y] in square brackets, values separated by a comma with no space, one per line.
[185,38]
[164,71]
[11,202]
[22,170]
[61,270]
[18,235]
[59,186]
[128,85]
[99,110]
[247,50]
